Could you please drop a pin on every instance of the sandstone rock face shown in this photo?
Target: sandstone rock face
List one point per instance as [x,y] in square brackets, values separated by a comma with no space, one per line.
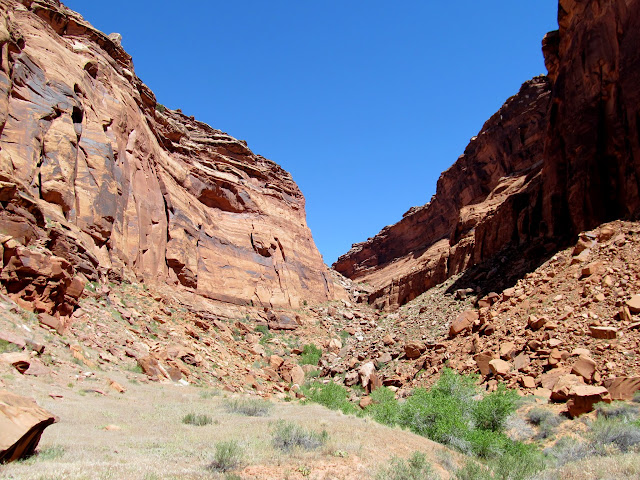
[481,204]
[22,422]
[99,173]
[559,158]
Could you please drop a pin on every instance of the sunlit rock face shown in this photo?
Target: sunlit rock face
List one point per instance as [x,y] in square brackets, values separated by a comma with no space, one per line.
[560,157]
[118,185]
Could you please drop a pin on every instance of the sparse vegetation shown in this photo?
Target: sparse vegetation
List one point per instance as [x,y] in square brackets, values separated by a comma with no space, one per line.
[545,420]
[197,420]
[288,436]
[251,407]
[7,347]
[310,355]
[415,467]
[228,456]
[331,395]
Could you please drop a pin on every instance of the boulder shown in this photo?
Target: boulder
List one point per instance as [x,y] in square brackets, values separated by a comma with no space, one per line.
[464,322]
[585,367]
[622,388]
[499,367]
[564,385]
[634,304]
[582,398]
[604,333]
[22,422]
[292,373]
[482,360]
[414,350]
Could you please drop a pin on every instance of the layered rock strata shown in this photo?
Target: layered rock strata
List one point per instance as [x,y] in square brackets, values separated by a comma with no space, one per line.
[482,202]
[560,157]
[98,173]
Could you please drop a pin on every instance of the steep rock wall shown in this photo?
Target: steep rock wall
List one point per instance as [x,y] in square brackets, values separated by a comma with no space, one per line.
[122,186]
[566,161]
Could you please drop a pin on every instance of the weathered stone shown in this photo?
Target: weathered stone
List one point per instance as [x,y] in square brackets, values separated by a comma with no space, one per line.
[536,323]
[582,398]
[634,304]
[483,359]
[22,422]
[464,322]
[585,367]
[622,388]
[606,333]
[414,350]
[560,391]
[499,367]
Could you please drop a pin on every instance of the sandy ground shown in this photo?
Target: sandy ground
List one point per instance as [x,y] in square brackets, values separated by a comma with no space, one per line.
[140,435]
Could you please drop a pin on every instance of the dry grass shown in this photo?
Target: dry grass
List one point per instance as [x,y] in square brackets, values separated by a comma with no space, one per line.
[150,442]
[615,467]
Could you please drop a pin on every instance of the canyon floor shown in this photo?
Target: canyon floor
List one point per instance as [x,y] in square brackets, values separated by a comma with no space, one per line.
[136,359]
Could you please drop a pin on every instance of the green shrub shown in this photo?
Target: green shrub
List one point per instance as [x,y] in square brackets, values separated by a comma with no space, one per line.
[492,411]
[197,420]
[385,408]
[228,456]
[331,395]
[415,468]
[251,407]
[160,108]
[310,355]
[288,436]
[440,418]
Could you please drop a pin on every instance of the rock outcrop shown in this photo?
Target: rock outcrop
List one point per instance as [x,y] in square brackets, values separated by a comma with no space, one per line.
[486,200]
[22,422]
[94,171]
[558,158]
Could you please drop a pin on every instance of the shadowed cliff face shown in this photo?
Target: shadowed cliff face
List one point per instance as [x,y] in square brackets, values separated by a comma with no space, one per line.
[559,157]
[102,176]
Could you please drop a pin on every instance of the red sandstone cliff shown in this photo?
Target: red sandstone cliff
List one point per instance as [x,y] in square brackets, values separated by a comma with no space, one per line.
[559,157]
[94,171]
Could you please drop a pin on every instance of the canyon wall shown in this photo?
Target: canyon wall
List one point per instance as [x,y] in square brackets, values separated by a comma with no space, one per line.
[559,157]
[94,171]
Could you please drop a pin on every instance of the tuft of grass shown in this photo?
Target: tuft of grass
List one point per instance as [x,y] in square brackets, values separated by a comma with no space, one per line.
[228,456]
[331,395]
[415,467]
[52,452]
[310,355]
[545,420]
[288,436]
[251,407]
[617,410]
[8,347]
[197,420]
[617,433]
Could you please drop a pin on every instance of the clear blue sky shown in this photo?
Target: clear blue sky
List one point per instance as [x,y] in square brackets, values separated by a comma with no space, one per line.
[364,102]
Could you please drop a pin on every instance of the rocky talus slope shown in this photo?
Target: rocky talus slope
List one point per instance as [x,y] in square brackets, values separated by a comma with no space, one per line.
[101,181]
[568,331]
[558,158]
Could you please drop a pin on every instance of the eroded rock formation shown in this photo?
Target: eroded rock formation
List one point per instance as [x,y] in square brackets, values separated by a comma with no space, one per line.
[98,173]
[560,157]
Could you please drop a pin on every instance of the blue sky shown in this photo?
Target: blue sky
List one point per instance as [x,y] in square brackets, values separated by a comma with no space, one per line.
[364,102]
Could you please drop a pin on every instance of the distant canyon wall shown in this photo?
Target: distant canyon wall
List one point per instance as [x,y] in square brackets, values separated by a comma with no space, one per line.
[559,157]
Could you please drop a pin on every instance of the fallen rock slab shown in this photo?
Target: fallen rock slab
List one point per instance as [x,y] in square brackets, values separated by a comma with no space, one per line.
[582,398]
[22,422]
[622,388]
